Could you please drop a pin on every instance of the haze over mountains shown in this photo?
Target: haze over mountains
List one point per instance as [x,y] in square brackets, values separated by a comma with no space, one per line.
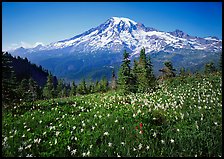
[95,52]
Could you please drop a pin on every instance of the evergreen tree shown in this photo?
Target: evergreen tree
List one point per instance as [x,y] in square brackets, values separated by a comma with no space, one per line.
[210,68]
[97,87]
[150,73]
[145,76]
[113,81]
[182,72]
[124,75]
[104,84]
[73,89]
[49,91]
[24,90]
[134,75]
[60,87]
[82,88]
[9,82]
[33,87]
[168,70]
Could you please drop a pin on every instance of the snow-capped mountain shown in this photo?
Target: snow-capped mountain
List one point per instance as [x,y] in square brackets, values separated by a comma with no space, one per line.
[112,38]
[117,34]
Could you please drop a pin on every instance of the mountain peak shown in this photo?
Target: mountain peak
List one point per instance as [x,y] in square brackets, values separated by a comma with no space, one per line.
[117,20]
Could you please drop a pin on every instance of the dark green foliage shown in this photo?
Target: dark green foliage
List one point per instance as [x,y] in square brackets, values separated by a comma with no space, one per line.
[33,90]
[82,87]
[9,82]
[60,89]
[182,72]
[209,68]
[104,84]
[49,91]
[168,70]
[124,75]
[143,78]
[113,80]
[73,89]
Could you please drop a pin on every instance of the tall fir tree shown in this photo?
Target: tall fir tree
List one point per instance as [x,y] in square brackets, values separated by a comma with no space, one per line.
[145,76]
[134,75]
[10,93]
[210,68]
[49,91]
[82,87]
[113,81]
[168,70]
[73,89]
[60,87]
[124,75]
[33,87]
[104,84]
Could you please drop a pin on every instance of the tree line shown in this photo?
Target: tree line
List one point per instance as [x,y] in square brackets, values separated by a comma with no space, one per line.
[138,78]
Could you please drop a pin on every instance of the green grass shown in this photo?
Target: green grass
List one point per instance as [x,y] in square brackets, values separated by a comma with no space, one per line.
[183,117]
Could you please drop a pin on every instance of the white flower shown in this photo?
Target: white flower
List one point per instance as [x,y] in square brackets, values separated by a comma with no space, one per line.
[122,143]
[109,144]
[162,141]
[90,146]
[123,128]
[172,141]
[83,154]
[28,155]
[28,129]
[106,133]
[44,133]
[75,138]
[154,134]
[134,149]
[55,141]
[93,127]
[73,152]
[147,147]
[20,149]
[215,123]
[88,153]
[116,121]
[69,148]
[57,133]
[40,121]
[108,115]
[140,146]
[178,130]
[23,135]
[81,130]
[29,146]
[73,127]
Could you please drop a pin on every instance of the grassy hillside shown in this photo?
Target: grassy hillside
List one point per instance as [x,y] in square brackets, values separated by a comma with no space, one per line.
[183,117]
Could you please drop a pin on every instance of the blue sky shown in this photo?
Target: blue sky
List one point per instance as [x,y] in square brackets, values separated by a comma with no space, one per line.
[31,23]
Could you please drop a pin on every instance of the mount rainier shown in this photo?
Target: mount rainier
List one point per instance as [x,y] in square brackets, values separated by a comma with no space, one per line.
[94,52]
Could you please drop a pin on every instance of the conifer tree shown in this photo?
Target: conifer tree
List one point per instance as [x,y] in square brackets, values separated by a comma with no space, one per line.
[168,70]
[145,76]
[49,91]
[113,81]
[182,72]
[82,88]
[134,75]
[60,87]
[124,75]
[73,89]
[104,84]
[210,68]
[33,87]
[9,83]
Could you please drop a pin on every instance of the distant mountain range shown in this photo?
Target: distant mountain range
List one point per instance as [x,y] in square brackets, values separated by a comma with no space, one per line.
[95,52]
